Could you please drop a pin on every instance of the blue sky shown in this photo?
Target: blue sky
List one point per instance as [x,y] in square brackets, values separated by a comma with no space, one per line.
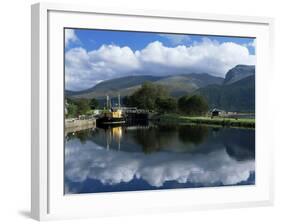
[93,39]
[93,56]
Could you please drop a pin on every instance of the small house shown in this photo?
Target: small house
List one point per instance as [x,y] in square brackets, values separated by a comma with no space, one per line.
[217,112]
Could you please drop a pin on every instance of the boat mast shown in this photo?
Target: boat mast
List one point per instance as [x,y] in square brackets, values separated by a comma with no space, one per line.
[119,104]
[107,102]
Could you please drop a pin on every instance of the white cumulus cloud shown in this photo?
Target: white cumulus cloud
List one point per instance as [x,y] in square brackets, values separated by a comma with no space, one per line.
[70,36]
[85,68]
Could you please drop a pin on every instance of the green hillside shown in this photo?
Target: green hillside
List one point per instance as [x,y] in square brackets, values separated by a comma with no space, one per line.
[180,85]
[177,85]
[238,96]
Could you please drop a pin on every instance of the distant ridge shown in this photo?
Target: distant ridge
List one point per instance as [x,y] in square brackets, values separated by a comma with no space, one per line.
[237,92]
[177,85]
[239,72]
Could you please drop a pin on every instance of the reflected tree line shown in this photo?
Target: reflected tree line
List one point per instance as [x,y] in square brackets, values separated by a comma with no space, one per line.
[239,143]
[156,138]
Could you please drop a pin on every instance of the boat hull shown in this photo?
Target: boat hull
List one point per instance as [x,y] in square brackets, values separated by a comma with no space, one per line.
[110,120]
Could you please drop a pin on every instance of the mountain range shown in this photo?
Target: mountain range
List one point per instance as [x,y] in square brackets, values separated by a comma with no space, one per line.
[239,72]
[177,85]
[236,92]
[237,96]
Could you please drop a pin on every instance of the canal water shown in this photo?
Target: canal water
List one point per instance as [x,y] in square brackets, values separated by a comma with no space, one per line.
[149,157]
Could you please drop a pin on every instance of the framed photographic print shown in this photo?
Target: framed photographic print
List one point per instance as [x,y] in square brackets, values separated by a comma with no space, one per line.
[148,111]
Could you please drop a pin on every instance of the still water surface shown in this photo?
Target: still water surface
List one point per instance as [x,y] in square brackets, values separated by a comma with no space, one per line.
[111,159]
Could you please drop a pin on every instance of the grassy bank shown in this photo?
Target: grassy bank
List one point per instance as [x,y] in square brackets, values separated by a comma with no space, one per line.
[176,118]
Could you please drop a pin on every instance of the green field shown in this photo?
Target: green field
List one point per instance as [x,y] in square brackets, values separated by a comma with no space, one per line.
[176,118]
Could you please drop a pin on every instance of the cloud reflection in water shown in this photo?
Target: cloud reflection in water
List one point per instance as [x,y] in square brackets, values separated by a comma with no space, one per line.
[112,167]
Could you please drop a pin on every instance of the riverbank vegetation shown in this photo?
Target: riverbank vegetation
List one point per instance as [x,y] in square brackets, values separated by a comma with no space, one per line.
[222,121]
[76,107]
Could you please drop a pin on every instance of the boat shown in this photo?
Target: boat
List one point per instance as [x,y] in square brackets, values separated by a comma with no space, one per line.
[111,115]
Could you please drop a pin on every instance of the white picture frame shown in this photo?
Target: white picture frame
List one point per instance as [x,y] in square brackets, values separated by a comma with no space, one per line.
[48,201]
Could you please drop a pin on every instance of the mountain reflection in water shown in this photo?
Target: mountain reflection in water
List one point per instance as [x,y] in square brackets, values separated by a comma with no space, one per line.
[158,157]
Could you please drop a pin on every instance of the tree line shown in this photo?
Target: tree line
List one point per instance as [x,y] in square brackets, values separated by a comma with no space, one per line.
[76,107]
[156,98]
[149,96]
